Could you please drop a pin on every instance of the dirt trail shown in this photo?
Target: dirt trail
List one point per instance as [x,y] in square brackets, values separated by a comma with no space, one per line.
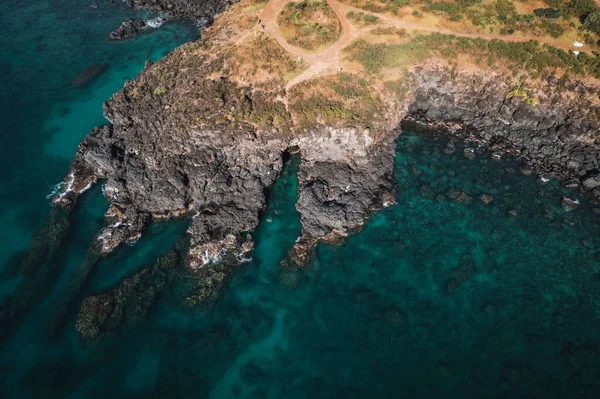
[392,21]
[319,62]
[329,60]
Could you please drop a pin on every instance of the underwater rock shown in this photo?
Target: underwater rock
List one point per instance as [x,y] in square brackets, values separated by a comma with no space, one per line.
[427,192]
[489,308]
[458,196]
[469,153]
[39,266]
[128,302]
[460,274]
[289,273]
[569,204]
[526,170]
[486,199]
[394,316]
[89,75]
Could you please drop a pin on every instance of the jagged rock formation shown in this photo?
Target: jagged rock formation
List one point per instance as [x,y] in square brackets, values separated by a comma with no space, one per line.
[128,302]
[128,28]
[182,143]
[201,135]
[558,137]
[195,9]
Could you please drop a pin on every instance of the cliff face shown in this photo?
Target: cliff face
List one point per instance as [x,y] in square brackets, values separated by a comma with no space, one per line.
[202,134]
[159,162]
[196,9]
[558,136]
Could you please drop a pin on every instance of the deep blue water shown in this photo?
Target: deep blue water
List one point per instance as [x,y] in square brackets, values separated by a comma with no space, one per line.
[431,299]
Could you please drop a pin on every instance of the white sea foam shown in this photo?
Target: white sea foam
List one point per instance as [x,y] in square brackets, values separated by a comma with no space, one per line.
[155,22]
[87,187]
[206,259]
[240,258]
[70,184]
[55,190]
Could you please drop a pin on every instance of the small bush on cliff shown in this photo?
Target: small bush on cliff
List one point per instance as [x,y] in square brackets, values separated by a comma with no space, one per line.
[343,99]
[519,92]
[160,91]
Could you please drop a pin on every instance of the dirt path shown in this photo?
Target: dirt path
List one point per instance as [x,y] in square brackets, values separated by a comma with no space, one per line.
[329,60]
[324,61]
[392,21]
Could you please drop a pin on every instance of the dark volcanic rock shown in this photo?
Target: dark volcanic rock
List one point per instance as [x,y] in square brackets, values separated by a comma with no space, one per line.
[187,8]
[187,139]
[128,302]
[558,139]
[128,28]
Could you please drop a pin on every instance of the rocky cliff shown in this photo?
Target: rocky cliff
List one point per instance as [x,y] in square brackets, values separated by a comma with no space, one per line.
[558,136]
[196,9]
[202,133]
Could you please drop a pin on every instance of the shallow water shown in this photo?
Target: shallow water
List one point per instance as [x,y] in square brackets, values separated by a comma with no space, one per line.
[433,298]
[45,45]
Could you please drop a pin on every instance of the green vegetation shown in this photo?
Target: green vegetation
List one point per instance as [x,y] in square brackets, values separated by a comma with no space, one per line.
[262,61]
[309,25]
[529,57]
[340,99]
[555,30]
[502,16]
[547,13]
[160,91]
[261,110]
[586,11]
[361,18]
[519,92]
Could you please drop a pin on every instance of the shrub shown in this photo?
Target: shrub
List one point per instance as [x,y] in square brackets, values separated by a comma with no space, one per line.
[554,29]
[159,91]
[547,12]
[592,22]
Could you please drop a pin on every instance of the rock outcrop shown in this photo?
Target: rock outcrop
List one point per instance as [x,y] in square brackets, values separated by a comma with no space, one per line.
[201,135]
[128,28]
[195,9]
[558,137]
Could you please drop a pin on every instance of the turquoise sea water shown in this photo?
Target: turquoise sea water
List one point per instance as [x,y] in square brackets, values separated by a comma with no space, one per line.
[433,298]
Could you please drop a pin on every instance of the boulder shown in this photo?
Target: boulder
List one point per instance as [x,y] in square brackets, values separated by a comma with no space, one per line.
[127,29]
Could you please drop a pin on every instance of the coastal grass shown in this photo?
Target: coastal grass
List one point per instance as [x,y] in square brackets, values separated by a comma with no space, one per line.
[309,25]
[261,60]
[504,17]
[341,99]
[529,57]
[362,19]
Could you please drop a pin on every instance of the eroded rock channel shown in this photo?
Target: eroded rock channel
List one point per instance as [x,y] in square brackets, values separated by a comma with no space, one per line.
[201,134]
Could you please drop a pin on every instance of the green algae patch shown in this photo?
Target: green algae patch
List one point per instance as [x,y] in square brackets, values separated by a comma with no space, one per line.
[341,99]
[309,25]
